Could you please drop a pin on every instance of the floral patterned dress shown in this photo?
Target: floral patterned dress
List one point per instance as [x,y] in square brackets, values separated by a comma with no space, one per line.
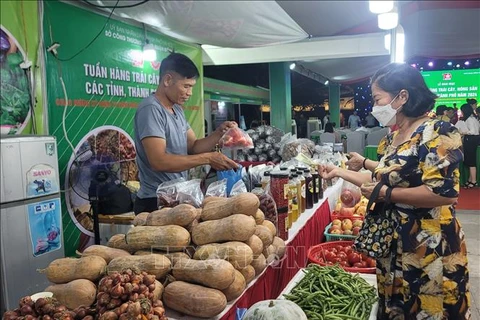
[426,275]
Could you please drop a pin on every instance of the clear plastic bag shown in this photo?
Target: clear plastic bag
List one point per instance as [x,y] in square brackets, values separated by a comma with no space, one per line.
[236,139]
[238,188]
[350,194]
[217,189]
[292,147]
[268,206]
[175,192]
[189,192]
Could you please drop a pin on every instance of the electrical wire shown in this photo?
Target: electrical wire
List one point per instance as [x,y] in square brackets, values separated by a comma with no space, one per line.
[118,7]
[94,39]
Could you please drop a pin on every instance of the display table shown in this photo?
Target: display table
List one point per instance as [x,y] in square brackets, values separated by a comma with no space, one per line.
[370,278]
[307,231]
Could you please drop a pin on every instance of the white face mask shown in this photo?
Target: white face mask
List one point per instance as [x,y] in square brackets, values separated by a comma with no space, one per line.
[386,115]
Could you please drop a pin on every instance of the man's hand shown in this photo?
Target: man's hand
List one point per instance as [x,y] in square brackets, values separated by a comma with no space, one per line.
[225,126]
[355,163]
[220,162]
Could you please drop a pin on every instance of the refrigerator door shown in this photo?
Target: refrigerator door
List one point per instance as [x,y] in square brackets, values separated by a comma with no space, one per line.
[30,239]
[29,167]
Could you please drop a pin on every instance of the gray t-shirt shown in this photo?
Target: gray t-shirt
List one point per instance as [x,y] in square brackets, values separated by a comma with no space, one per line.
[153,120]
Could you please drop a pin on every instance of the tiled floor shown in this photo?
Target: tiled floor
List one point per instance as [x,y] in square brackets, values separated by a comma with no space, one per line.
[470,220]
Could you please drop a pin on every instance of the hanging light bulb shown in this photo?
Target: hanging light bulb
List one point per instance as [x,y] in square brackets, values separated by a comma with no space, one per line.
[149,53]
[380,6]
[388,20]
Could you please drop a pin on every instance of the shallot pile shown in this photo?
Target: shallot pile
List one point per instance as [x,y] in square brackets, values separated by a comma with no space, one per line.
[129,296]
[46,309]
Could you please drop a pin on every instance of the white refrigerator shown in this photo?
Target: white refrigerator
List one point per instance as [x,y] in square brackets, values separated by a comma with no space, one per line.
[31,233]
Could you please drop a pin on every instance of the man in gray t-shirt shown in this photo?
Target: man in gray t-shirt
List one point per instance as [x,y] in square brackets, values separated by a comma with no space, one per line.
[165,144]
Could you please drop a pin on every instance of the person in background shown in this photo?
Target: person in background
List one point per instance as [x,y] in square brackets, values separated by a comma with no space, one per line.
[426,275]
[454,117]
[302,126]
[166,145]
[441,113]
[326,118]
[342,120]
[472,103]
[370,120]
[478,113]
[354,121]
[329,129]
[254,124]
[470,129]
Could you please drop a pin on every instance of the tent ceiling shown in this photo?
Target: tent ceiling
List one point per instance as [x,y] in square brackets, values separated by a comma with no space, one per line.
[432,28]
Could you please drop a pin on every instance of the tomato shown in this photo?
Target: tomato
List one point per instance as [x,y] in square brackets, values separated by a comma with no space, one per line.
[334,250]
[329,256]
[339,248]
[347,249]
[344,264]
[342,255]
[364,264]
[353,258]
[371,262]
[358,265]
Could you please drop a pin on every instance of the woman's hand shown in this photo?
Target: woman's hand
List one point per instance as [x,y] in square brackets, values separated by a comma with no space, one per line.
[355,163]
[328,171]
[367,189]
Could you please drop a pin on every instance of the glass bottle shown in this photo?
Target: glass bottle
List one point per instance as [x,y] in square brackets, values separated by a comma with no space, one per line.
[308,189]
[293,199]
[316,186]
[302,205]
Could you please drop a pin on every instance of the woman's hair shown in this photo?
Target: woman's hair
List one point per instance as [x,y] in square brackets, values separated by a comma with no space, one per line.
[466,110]
[471,101]
[329,127]
[395,77]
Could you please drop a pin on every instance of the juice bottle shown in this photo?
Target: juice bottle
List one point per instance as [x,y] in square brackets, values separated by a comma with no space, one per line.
[294,193]
[309,189]
[302,205]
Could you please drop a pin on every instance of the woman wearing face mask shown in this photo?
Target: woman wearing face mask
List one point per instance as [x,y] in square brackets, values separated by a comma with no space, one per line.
[425,276]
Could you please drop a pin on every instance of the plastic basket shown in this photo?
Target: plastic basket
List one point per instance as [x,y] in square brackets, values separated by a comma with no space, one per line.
[313,251]
[334,216]
[337,237]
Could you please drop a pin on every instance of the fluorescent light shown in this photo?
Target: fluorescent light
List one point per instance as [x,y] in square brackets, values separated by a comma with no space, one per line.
[389,20]
[149,53]
[380,6]
[292,66]
[400,45]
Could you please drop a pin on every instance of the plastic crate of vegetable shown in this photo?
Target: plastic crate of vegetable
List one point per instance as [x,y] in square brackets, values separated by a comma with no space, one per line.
[341,232]
[342,253]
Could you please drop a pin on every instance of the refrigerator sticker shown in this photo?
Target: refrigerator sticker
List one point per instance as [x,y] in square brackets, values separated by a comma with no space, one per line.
[44,219]
[41,180]
[50,148]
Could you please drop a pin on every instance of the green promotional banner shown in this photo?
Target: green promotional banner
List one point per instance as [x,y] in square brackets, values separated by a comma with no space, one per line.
[93,93]
[21,101]
[453,86]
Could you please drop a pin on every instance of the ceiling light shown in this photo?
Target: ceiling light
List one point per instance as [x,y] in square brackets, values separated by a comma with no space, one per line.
[458,66]
[389,20]
[327,82]
[380,6]
[467,63]
[149,53]
[449,63]
[430,64]
[292,66]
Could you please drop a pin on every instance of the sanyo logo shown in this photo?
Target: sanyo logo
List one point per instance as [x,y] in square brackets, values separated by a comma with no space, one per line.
[42,173]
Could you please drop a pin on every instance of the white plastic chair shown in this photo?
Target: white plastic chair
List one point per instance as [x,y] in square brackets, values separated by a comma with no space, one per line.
[373,138]
[356,142]
[327,137]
